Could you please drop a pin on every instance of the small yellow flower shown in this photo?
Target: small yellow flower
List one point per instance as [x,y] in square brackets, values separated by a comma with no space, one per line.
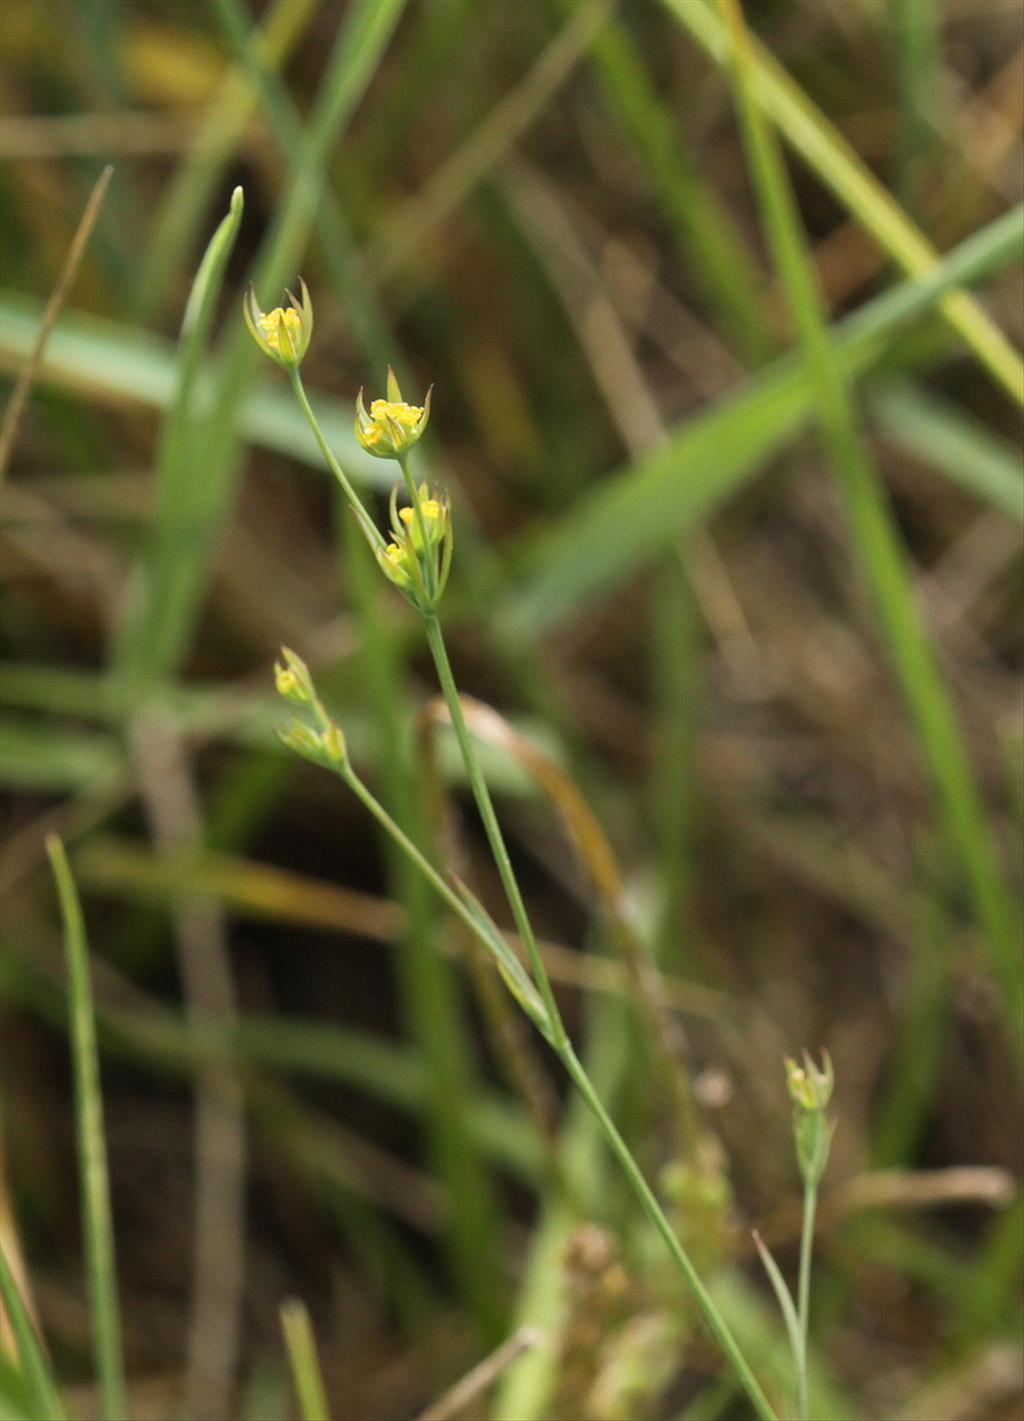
[810,1086]
[394,561]
[271,324]
[292,679]
[284,333]
[433,521]
[392,426]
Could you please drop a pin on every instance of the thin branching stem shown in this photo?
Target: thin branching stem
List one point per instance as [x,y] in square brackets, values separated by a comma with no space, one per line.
[484,803]
[325,449]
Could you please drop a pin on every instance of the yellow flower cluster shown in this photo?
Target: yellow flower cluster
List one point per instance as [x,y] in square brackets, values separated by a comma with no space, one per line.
[283,333]
[423,527]
[391,427]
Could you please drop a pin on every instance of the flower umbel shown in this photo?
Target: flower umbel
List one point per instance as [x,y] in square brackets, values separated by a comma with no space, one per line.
[284,333]
[419,556]
[391,427]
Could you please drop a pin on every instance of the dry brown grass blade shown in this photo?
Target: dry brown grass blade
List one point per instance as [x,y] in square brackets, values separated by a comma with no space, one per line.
[483,1375]
[10,1242]
[15,409]
[980,1186]
[265,892]
[420,216]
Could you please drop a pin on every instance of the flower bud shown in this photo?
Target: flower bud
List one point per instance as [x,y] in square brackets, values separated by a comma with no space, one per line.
[292,679]
[810,1089]
[394,562]
[324,745]
[284,333]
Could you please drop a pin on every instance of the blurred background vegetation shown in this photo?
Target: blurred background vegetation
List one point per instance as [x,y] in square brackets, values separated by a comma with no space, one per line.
[785,679]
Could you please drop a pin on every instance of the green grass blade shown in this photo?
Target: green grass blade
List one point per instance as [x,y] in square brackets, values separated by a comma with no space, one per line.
[704,232]
[116,364]
[917,45]
[836,163]
[96,1216]
[38,1378]
[348,272]
[303,1360]
[642,510]
[941,434]
[357,51]
[34,757]
[173,234]
[880,553]
[783,1296]
[147,642]
[676,678]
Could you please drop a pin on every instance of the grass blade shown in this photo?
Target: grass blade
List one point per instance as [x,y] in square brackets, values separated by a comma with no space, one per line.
[782,1293]
[642,510]
[704,232]
[116,364]
[356,54]
[96,1215]
[841,168]
[879,549]
[302,1357]
[147,640]
[173,234]
[16,404]
[42,1390]
[949,439]
[348,272]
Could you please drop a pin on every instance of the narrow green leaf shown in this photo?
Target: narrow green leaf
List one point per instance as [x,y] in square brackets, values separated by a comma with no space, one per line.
[821,144]
[704,231]
[876,540]
[114,364]
[40,756]
[92,1151]
[784,1296]
[183,206]
[945,436]
[644,508]
[39,1382]
[304,1362]
[160,605]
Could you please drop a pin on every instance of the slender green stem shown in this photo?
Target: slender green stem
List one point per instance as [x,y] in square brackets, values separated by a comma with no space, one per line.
[804,1292]
[407,846]
[582,1081]
[714,1319]
[561,1042]
[325,449]
[305,1364]
[482,795]
[92,1153]
[430,998]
